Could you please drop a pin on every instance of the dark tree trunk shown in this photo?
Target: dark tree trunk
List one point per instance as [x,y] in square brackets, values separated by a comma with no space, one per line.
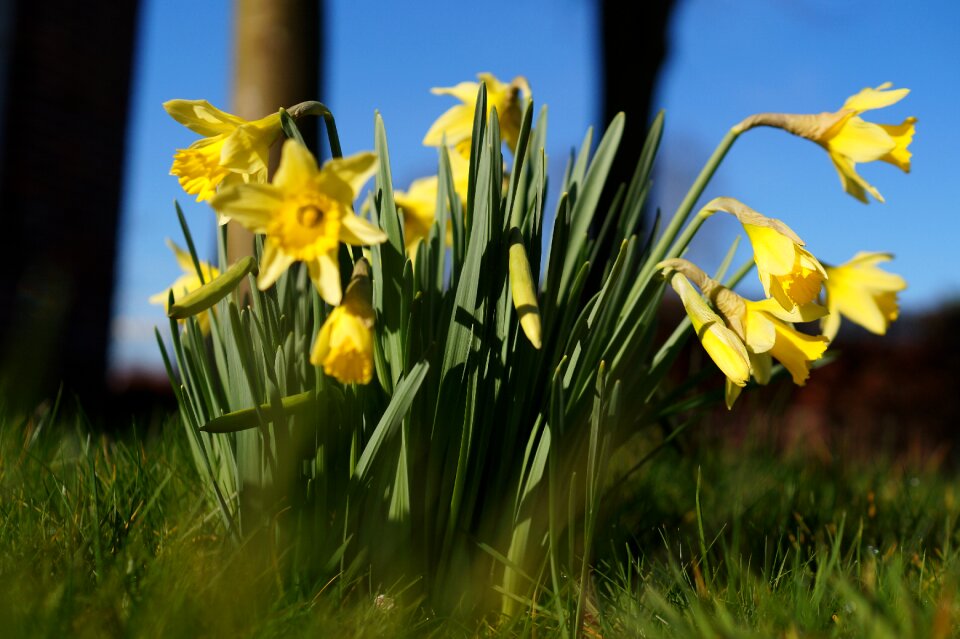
[64,110]
[634,45]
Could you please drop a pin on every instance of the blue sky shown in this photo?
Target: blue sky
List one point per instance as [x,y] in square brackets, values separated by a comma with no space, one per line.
[728,59]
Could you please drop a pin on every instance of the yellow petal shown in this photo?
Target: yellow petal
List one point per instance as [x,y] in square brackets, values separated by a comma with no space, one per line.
[358,231]
[759,331]
[802,313]
[273,263]
[454,126]
[202,117]
[184,261]
[795,350]
[298,168]
[464,91]
[354,171]
[321,346]
[325,274]
[761,364]
[772,251]
[851,180]
[252,205]
[731,393]
[830,324]
[868,99]
[418,206]
[247,149]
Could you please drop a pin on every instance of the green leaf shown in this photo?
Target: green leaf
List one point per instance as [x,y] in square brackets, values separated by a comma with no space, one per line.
[394,413]
[588,196]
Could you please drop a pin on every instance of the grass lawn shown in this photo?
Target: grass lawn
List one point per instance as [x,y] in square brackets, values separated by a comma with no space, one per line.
[115,538]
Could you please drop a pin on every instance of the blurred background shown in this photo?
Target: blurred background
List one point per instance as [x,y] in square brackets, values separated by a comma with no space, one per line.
[85,153]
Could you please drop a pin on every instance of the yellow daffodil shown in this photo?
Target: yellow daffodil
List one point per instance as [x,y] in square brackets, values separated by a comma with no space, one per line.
[723,346]
[848,138]
[305,213]
[344,345]
[232,150]
[862,292]
[763,327]
[187,283]
[418,204]
[788,272]
[456,125]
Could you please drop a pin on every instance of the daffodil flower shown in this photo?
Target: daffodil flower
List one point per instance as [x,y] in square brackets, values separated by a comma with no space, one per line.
[418,204]
[848,138]
[232,150]
[723,346]
[344,345]
[187,283]
[456,125]
[862,292]
[764,328]
[305,213]
[788,272]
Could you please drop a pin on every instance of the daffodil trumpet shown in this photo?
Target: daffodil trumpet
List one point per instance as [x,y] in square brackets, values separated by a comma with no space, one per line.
[344,345]
[232,151]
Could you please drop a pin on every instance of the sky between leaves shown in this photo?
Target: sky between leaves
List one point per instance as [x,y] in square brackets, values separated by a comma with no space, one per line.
[727,59]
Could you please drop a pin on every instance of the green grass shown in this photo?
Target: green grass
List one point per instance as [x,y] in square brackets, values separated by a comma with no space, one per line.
[116,538]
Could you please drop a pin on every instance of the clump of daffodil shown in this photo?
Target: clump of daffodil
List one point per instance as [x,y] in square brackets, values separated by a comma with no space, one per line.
[862,292]
[344,345]
[763,327]
[187,283]
[232,151]
[456,125]
[305,213]
[418,204]
[788,272]
[723,346]
[848,138]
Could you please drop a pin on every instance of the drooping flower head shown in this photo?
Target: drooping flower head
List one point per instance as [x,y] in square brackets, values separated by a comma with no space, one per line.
[418,204]
[232,150]
[187,283]
[863,293]
[763,327]
[305,213]
[344,345]
[788,272]
[848,138]
[456,125]
[723,346]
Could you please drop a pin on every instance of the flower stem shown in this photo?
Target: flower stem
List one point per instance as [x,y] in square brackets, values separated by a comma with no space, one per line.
[696,190]
[311,107]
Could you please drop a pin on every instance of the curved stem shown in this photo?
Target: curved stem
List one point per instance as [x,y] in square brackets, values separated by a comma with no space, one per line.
[312,107]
